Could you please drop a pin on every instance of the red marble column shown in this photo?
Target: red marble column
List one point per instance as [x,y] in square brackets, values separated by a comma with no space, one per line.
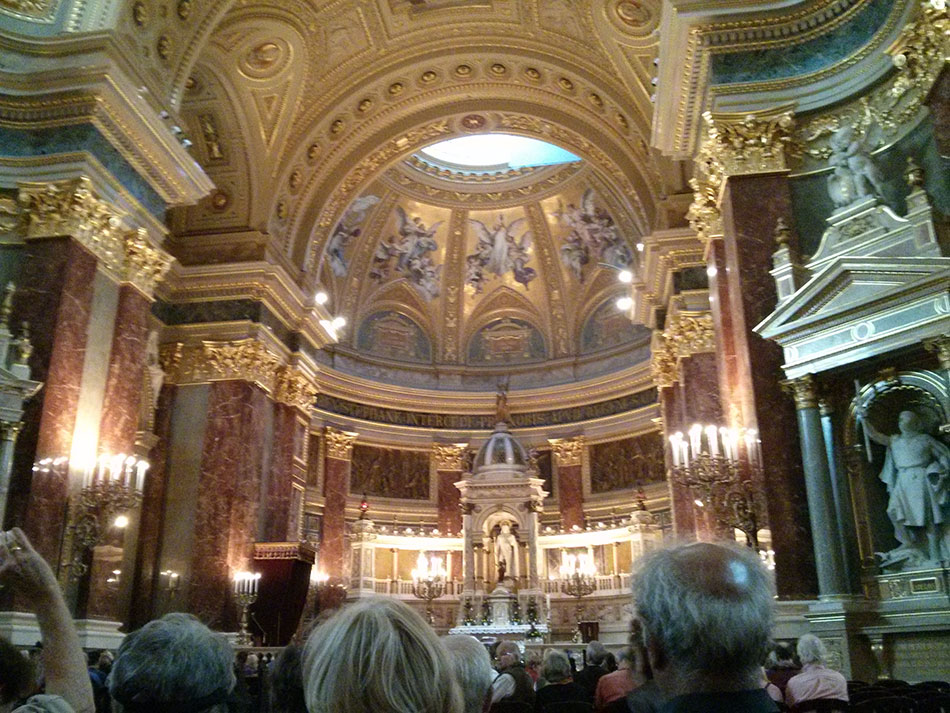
[277,495]
[449,468]
[681,501]
[123,394]
[339,448]
[751,206]
[568,453]
[145,578]
[55,296]
[228,497]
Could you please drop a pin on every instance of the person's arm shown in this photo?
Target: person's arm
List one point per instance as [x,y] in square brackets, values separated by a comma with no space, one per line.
[872,432]
[503,687]
[63,658]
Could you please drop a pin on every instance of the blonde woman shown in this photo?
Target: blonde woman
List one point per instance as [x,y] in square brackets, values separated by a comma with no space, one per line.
[378,656]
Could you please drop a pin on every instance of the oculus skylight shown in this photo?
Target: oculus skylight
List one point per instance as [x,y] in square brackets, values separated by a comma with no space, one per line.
[482,152]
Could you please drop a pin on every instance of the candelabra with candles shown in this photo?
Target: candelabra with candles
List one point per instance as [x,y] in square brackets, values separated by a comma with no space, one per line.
[578,579]
[245,594]
[722,467]
[112,487]
[428,581]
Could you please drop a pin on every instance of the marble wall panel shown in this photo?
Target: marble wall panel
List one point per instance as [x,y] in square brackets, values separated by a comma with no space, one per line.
[123,391]
[389,473]
[55,293]
[570,496]
[751,207]
[627,463]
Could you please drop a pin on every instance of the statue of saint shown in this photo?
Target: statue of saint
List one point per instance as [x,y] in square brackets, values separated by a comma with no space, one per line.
[505,544]
[917,474]
[502,414]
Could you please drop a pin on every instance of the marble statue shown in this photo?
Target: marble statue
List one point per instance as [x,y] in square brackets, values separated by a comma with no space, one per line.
[917,474]
[855,174]
[505,544]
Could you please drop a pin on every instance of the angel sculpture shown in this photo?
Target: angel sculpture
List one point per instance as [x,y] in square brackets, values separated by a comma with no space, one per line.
[855,175]
[345,231]
[498,252]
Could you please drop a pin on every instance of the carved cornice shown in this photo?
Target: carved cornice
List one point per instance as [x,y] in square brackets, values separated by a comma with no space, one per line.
[339,443]
[804,390]
[284,551]
[72,208]
[663,362]
[449,456]
[244,360]
[294,388]
[568,451]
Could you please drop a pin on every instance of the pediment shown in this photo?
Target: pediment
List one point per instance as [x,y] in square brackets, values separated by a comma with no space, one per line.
[849,286]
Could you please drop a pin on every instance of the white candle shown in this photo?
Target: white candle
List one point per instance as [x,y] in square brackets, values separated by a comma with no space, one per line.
[548,600]
[140,469]
[674,449]
[712,441]
[695,437]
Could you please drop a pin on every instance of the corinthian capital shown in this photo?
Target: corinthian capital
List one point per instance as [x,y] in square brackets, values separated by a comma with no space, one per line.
[754,143]
[567,451]
[804,390]
[339,443]
[449,456]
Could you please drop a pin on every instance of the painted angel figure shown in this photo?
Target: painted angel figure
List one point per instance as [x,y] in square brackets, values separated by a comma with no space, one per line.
[917,475]
[593,236]
[345,231]
[498,251]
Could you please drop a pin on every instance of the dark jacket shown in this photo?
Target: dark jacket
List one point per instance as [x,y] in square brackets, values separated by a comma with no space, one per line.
[558,693]
[524,684]
[588,678]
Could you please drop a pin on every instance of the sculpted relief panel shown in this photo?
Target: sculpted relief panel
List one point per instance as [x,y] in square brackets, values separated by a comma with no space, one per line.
[394,336]
[627,463]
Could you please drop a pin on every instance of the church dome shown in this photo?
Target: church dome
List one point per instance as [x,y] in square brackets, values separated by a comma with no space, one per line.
[501,449]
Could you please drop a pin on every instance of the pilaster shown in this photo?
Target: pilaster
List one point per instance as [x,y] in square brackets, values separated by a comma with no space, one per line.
[568,459]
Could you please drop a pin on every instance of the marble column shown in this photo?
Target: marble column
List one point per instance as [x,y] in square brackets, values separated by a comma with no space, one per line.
[681,501]
[832,575]
[568,460]
[55,297]
[277,492]
[751,207]
[339,450]
[841,493]
[449,466]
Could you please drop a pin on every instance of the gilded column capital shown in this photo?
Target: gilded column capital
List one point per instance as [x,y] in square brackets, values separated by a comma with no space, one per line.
[690,334]
[663,362]
[804,390]
[9,430]
[568,451]
[754,143]
[339,443]
[449,456]
[941,347]
[294,388]
[72,208]
[243,360]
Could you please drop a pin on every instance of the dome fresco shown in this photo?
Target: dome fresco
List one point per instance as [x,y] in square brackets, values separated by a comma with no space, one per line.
[494,273]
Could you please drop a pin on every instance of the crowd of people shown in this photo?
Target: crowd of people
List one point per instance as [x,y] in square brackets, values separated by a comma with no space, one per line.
[698,642]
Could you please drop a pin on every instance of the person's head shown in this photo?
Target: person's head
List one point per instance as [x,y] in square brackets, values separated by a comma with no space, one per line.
[610,662]
[172,663]
[908,422]
[782,655]
[811,649]
[507,654]
[532,659]
[286,684]
[472,669]
[596,652]
[706,613]
[378,655]
[104,662]
[625,659]
[16,675]
[555,667]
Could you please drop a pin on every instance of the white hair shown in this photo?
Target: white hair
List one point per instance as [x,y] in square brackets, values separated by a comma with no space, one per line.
[472,668]
[378,655]
[811,649]
[596,653]
[708,606]
[556,666]
[172,663]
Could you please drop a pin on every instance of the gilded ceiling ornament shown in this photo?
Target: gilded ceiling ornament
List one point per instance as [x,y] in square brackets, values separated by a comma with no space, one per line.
[140,13]
[365,105]
[498,69]
[336,127]
[567,451]
[449,456]
[428,77]
[396,88]
[184,9]
[339,443]
[532,74]
[566,84]
[473,122]
[164,47]
[463,70]
[294,388]
[220,200]
[263,56]
[753,144]
[633,14]
[595,100]
[296,178]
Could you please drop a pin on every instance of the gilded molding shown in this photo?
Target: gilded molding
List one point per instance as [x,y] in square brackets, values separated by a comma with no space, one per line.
[690,334]
[568,451]
[919,54]
[32,10]
[754,143]
[339,443]
[449,456]
[293,388]
[663,362]
[804,390]
[72,208]
[244,360]
[704,215]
